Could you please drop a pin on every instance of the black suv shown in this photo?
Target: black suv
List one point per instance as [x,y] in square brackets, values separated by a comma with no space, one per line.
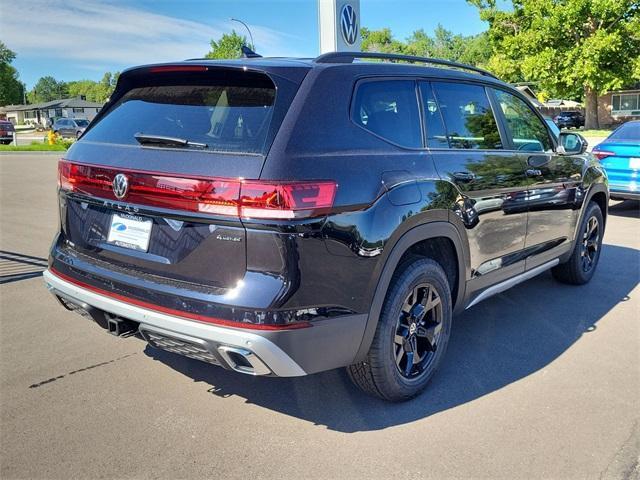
[285,216]
[569,120]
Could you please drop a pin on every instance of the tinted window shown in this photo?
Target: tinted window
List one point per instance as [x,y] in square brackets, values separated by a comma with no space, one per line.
[553,127]
[434,126]
[468,116]
[628,131]
[528,132]
[227,118]
[389,108]
[82,123]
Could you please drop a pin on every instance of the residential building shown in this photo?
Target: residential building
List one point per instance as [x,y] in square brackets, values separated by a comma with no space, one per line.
[619,106]
[39,114]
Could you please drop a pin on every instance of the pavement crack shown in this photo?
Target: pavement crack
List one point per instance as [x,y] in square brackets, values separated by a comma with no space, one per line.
[79,370]
[625,464]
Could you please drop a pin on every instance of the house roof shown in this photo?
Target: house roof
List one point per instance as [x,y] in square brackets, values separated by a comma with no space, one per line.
[529,93]
[75,102]
[561,102]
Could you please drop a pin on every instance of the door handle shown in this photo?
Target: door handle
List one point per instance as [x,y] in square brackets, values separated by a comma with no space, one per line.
[533,172]
[463,177]
[537,161]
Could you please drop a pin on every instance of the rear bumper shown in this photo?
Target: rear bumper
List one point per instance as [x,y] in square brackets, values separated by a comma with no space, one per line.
[327,344]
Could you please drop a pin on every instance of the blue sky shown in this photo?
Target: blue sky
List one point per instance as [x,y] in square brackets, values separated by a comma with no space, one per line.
[78,39]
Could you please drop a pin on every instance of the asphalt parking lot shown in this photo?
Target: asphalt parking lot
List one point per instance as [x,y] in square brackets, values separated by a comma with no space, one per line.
[542,381]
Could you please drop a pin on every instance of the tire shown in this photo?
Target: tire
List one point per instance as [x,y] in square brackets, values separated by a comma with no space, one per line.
[581,266]
[405,329]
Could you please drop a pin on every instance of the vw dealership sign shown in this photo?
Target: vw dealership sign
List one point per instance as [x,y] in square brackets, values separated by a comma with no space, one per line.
[339,25]
[349,24]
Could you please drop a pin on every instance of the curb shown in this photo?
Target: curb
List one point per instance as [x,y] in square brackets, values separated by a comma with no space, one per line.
[35,152]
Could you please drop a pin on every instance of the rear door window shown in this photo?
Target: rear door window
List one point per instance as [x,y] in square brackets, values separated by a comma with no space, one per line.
[468,116]
[389,109]
[226,116]
[528,132]
[436,134]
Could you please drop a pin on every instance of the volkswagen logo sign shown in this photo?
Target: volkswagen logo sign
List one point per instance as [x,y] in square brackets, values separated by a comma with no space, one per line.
[349,24]
[120,186]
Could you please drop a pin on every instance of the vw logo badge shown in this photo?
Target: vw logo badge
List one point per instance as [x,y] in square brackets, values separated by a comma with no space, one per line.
[120,186]
[349,24]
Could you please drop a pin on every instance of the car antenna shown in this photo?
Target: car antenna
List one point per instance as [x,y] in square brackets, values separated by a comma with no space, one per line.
[248,53]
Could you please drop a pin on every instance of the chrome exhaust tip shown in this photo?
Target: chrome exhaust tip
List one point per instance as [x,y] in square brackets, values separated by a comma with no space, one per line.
[243,361]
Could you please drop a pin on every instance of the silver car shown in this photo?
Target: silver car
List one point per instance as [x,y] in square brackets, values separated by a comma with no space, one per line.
[70,127]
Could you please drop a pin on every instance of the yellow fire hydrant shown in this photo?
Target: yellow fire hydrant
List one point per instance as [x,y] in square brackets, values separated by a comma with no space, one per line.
[51,137]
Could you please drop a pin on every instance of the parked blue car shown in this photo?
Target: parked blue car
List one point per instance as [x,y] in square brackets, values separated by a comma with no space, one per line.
[619,154]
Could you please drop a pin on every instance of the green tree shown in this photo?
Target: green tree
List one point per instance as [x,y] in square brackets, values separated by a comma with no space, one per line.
[229,46]
[571,48]
[381,41]
[86,88]
[47,89]
[94,91]
[472,49]
[11,89]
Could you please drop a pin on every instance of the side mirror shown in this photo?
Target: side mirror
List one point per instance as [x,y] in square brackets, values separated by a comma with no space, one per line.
[572,143]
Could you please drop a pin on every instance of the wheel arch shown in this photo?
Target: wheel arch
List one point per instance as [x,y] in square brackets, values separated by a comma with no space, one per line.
[600,196]
[398,252]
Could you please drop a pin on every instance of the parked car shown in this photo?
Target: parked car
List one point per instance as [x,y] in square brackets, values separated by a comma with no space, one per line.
[569,120]
[619,154]
[6,132]
[70,127]
[333,224]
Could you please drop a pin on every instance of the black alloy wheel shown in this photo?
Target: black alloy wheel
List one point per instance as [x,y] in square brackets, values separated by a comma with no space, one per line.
[412,333]
[581,265]
[418,331]
[590,244]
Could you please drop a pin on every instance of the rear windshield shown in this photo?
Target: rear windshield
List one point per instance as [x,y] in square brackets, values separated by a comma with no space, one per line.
[82,123]
[628,131]
[227,117]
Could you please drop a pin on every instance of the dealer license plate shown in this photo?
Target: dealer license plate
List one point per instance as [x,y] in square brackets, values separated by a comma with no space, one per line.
[130,231]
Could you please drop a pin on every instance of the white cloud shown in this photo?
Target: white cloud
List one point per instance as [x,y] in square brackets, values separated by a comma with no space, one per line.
[95,32]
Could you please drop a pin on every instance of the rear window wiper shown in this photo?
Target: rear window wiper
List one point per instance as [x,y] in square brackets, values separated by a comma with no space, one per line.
[146,139]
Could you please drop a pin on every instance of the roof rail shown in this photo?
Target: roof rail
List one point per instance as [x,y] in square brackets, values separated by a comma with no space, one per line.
[349,57]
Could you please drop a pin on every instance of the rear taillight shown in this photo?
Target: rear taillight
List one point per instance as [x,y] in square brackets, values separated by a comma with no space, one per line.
[602,154]
[177,68]
[285,200]
[217,196]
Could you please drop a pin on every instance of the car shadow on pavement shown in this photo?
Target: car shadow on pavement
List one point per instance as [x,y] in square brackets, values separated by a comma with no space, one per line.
[627,208]
[498,342]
